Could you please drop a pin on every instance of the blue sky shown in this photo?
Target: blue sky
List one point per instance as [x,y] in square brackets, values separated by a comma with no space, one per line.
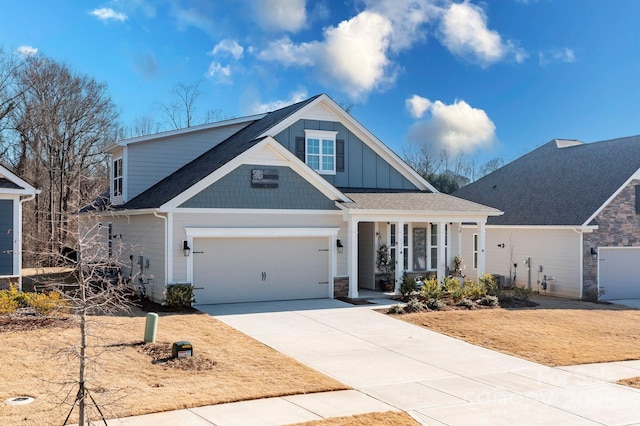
[487,79]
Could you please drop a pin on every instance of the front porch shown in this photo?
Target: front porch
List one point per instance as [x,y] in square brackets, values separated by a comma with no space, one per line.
[422,233]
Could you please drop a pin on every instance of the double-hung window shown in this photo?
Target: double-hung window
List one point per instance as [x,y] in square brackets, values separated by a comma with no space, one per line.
[117,177]
[320,151]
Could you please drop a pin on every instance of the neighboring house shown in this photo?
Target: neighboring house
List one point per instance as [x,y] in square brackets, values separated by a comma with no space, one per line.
[289,204]
[13,192]
[573,209]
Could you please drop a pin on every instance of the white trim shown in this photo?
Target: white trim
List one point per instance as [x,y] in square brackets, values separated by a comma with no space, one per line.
[321,136]
[117,199]
[634,176]
[361,132]
[176,132]
[27,189]
[289,159]
[259,232]
[586,229]
[262,212]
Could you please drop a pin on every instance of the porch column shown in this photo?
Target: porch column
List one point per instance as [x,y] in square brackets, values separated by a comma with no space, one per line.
[442,262]
[352,257]
[399,255]
[481,248]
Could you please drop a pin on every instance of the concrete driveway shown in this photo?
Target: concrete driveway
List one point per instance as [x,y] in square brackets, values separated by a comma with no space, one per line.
[435,378]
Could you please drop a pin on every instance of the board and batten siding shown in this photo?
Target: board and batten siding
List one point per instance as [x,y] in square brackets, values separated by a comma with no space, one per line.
[363,167]
[557,250]
[7,233]
[255,219]
[149,162]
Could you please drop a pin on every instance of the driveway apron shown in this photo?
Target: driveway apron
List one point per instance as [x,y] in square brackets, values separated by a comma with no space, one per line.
[435,378]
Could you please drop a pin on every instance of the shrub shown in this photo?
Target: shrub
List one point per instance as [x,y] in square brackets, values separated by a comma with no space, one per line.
[8,302]
[488,300]
[431,289]
[467,303]
[179,295]
[473,290]
[408,286]
[434,304]
[452,288]
[414,305]
[522,293]
[490,284]
[396,309]
[46,303]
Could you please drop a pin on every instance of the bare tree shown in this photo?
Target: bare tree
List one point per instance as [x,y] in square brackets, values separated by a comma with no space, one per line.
[61,122]
[10,67]
[181,111]
[144,125]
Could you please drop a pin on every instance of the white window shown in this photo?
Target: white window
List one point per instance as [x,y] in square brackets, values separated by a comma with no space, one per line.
[475,251]
[117,177]
[320,151]
[433,246]
[419,249]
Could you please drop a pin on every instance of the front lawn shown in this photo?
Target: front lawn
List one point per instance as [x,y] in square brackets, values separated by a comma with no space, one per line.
[229,367]
[557,332]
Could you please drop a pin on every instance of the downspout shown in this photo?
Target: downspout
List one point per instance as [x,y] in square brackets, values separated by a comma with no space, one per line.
[581,233]
[166,246]
[22,200]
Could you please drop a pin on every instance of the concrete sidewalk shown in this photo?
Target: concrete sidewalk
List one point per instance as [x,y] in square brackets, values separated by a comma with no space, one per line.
[393,365]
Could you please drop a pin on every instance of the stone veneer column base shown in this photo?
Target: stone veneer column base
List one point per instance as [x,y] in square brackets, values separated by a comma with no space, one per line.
[341,287]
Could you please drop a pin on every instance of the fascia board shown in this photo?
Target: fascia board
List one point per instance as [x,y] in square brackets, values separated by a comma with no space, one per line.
[27,188]
[259,232]
[363,133]
[634,176]
[245,158]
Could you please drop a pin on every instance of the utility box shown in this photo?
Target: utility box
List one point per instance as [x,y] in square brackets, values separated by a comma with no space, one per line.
[181,350]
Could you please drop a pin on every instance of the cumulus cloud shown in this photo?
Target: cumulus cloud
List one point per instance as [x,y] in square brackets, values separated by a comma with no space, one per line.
[257,107]
[220,73]
[288,53]
[463,30]
[228,47]
[26,51]
[281,15]
[565,55]
[456,128]
[108,14]
[417,106]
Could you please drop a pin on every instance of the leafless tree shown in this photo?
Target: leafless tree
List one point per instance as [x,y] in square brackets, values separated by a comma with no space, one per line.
[61,122]
[10,67]
[181,112]
[144,125]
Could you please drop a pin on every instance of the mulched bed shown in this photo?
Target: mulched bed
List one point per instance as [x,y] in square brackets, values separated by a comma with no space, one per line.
[161,354]
[18,323]
[148,306]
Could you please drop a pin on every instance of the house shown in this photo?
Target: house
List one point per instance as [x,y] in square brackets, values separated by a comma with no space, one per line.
[13,193]
[571,219]
[289,204]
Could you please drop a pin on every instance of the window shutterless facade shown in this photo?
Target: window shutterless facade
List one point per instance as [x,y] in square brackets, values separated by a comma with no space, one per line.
[118,177]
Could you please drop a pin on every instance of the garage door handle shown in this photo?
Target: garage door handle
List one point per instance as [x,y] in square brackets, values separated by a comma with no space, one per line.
[264,276]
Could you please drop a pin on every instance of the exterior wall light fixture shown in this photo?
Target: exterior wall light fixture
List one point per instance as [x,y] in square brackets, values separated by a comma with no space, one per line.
[185,248]
[339,245]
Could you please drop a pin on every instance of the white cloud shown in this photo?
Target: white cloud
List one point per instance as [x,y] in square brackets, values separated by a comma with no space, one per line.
[281,15]
[463,30]
[417,106]
[456,128]
[565,55]
[108,14]
[257,107]
[26,51]
[194,17]
[222,74]
[228,46]
[287,53]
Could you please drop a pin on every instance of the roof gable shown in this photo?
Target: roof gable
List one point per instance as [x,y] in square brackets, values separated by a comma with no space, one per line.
[557,183]
[12,184]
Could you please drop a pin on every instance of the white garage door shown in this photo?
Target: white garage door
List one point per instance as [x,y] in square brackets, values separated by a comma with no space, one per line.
[260,269]
[619,273]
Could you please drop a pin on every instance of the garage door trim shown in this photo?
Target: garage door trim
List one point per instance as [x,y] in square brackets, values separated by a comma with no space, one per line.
[260,232]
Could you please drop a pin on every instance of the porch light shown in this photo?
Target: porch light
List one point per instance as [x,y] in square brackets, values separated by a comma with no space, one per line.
[594,252]
[339,245]
[185,248]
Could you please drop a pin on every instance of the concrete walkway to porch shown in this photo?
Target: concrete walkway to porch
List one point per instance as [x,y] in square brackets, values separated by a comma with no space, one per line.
[435,378]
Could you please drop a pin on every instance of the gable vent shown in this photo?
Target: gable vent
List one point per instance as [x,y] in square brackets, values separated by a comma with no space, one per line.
[566,143]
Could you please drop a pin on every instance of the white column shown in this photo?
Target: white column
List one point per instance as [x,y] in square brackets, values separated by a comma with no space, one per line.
[481,248]
[399,255]
[442,262]
[352,257]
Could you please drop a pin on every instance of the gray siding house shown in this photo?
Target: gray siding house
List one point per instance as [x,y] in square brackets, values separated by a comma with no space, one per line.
[289,204]
[571,219]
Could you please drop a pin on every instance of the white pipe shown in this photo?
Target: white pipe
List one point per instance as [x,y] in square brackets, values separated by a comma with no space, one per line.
[166,246]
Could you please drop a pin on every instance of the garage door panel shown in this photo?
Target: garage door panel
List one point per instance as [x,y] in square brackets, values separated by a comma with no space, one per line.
[619,273]
[260,269]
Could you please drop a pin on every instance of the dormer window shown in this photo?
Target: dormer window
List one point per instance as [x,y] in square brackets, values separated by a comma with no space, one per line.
[117,177]
[320,151]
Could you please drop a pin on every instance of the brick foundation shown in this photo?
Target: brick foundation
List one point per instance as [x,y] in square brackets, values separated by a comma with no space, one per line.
[341,287]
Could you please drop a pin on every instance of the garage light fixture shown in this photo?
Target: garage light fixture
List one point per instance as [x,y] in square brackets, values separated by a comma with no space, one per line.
[594,252]
[339,245]
[185,248]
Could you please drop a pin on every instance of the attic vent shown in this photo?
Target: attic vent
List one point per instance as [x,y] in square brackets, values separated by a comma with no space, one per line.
[566,143]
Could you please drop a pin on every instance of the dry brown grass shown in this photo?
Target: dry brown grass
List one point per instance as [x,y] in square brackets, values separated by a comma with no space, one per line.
[633,382]
[557,332]
[126,383]
[389,418]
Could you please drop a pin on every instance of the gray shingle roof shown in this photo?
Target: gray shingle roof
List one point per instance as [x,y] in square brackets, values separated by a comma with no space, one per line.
[412,201]
[557,186]
[193,172]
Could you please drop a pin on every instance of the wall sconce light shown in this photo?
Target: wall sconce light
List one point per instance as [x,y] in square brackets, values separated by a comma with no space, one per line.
[501,245]
[594,252]
[339,245]
[185,248]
